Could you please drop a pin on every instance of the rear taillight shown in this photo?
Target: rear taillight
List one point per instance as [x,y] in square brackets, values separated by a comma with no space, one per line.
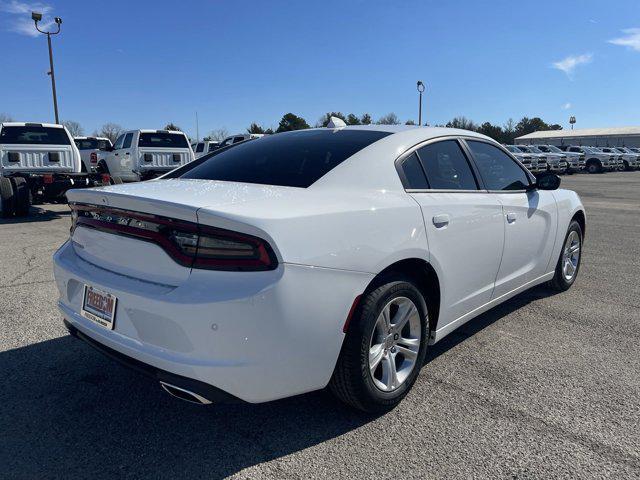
[94,157]
[187,243]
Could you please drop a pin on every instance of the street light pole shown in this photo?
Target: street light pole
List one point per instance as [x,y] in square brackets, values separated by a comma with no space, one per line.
[420,87]
[36,17]
[572,120]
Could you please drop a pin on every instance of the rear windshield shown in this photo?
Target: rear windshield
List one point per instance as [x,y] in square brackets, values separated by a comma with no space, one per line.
[92,144]
[33,135]
[162,140]
[293,159]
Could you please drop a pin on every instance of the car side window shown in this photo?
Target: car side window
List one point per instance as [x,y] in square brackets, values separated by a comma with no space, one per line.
[127,140]
[411,173]
[238,139]
[446,166]
[118,143]
[199,147]
[498,170]
[212,147]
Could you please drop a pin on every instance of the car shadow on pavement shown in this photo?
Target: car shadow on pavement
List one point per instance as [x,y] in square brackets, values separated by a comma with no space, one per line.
[36,214]
[482,321]
[68,411]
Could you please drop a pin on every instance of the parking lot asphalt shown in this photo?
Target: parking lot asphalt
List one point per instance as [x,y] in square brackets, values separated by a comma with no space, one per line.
[542,386]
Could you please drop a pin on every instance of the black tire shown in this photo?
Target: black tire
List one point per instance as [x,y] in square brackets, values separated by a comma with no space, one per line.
[7,197]
[594,167]
[102,167]
[626,166]
[115,180]
[352,382]
[559,282]
[22,193]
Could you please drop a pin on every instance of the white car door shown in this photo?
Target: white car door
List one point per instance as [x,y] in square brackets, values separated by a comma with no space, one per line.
[529,216]
[113,159]
[465,230]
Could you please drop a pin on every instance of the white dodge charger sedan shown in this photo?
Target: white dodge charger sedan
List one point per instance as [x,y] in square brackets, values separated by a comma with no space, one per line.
[322,257]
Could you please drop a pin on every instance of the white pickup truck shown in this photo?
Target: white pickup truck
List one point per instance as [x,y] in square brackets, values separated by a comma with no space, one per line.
[38,161]
[92,150]
[204,147]
[145,154]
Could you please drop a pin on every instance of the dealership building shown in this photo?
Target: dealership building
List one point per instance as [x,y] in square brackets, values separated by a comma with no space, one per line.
[595,137]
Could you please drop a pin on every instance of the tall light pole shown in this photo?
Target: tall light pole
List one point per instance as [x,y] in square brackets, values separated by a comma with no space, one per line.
[36,17]
[420,87]
[572,120]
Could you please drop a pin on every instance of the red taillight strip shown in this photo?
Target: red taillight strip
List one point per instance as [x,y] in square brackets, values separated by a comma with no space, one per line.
[265,261]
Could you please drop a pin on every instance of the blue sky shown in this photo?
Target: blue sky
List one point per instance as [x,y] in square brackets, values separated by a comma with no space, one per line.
[142,64]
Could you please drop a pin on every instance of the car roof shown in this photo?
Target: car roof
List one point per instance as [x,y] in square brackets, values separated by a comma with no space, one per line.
[39,124]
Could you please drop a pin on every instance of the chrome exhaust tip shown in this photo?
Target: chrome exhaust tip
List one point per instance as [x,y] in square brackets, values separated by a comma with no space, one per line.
[184,394]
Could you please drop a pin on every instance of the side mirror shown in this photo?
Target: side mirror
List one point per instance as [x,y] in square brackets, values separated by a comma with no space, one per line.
[547,181]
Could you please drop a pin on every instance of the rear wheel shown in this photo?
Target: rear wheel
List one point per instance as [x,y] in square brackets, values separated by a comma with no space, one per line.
[594,167]
[384,347]
[569,262]
[7,197]
[22,193]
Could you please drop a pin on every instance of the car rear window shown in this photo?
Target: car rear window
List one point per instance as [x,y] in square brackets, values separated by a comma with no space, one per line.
[92,144]
[162,140]
[292,159]
[33,135]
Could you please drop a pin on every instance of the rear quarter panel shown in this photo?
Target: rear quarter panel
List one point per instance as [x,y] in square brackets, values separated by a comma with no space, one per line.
[569,204]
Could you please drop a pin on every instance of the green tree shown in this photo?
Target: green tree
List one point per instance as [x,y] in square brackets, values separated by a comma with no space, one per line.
[529,125]
[463,123]
[409,122]
[255,128]
[366,119]
[269,131]
[352,120]
[388,119]
[172,127]
[493,131]
[290,122]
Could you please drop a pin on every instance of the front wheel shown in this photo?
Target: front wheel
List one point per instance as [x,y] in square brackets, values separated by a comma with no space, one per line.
[569,262]
[384,348]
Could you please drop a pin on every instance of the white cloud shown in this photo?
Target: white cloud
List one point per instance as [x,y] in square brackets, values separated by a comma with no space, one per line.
[566,106]
[631,39]
[569,64]
[21,7]
[19,20]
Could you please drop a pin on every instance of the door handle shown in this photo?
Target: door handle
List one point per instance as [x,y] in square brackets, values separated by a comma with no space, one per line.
[116,154]
[441,220]
[511,217]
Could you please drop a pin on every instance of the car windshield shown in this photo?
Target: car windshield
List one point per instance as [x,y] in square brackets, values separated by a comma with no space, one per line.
[292,159]
[533,149]
[554,149]
[162,140]
[513,149]
[33,135]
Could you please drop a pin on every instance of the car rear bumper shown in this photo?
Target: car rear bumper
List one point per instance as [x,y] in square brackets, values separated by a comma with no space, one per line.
[256,336]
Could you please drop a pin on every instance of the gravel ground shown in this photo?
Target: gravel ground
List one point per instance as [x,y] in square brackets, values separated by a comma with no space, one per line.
[543,386]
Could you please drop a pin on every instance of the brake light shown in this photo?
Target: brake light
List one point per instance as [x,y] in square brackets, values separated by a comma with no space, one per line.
[189,244]
[47,179]
[93,157]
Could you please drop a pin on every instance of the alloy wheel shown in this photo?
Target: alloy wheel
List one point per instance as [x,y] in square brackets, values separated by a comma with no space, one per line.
[394,345]
[571,256]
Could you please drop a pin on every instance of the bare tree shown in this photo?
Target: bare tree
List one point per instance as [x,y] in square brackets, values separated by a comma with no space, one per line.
[75,129]
[5,117]
[219,134]
[111,131]
[389,119]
